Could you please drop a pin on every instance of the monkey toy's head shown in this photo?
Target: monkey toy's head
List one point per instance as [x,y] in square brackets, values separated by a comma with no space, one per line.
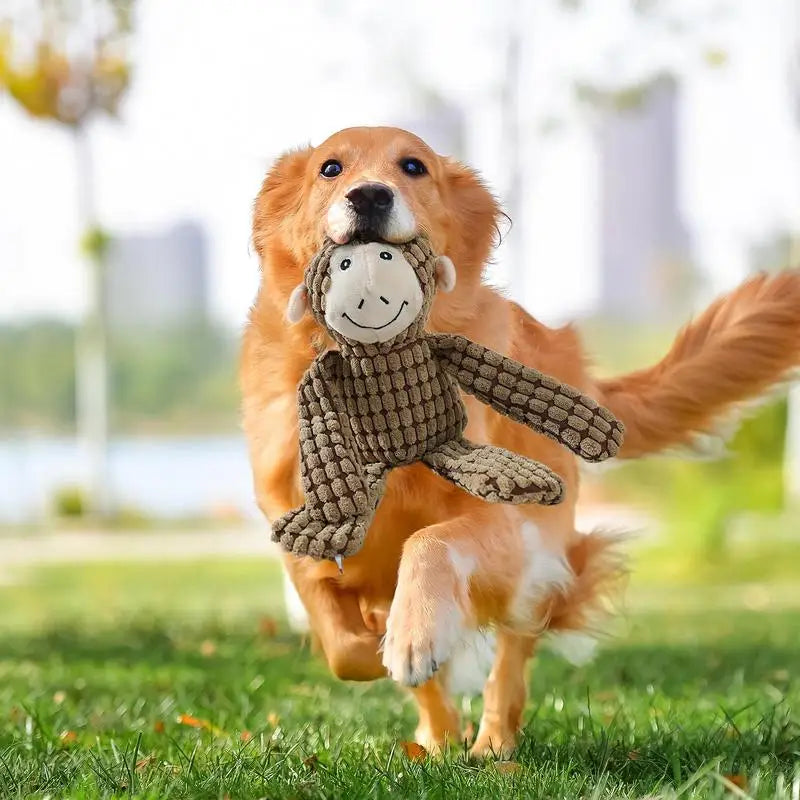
[370,292]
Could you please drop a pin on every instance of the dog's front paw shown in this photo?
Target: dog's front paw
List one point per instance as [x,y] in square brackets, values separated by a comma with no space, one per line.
[421,632]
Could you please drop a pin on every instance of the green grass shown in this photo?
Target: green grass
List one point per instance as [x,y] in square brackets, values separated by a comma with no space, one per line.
[98,662]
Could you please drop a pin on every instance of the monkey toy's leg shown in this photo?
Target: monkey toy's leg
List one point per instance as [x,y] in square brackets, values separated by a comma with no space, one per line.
[495,474]
[302,532]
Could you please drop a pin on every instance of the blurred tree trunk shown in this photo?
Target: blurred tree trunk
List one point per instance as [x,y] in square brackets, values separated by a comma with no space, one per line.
[791,468]
[91,362]
[792,457]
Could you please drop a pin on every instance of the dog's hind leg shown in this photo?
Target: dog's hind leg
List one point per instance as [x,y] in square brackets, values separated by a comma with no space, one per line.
[439,721]
[504,696]
[568,594]
[488,564]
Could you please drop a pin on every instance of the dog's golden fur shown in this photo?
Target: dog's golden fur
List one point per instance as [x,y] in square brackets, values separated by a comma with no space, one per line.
[437,559]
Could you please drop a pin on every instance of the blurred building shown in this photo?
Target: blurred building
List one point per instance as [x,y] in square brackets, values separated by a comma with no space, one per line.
[645,257]
[158,279]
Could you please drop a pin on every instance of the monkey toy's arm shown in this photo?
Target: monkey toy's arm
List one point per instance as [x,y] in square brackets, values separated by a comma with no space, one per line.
[544,404]
[330,471]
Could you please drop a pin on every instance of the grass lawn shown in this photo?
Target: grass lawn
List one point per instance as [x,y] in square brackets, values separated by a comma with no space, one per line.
[170,681]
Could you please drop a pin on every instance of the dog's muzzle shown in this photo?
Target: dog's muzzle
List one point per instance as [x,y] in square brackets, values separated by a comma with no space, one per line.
[373,212]
[371,205]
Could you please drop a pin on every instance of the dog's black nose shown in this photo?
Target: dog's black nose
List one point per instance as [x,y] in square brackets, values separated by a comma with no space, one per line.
[371,198]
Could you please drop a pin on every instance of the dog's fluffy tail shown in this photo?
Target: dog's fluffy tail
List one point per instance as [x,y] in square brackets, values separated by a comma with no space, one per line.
[735,351]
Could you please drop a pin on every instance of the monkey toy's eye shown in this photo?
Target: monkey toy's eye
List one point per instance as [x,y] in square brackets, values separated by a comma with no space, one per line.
[331,168]
[386,256]
[345,264]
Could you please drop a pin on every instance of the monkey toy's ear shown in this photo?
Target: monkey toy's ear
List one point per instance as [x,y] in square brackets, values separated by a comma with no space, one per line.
[445,274]
[298,303]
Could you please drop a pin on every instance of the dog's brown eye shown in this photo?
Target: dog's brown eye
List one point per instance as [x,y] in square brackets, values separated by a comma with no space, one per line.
[345,264]
[331,168]
[386,256]
[413,167]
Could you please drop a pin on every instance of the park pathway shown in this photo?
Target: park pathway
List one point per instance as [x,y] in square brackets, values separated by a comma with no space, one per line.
[22,550]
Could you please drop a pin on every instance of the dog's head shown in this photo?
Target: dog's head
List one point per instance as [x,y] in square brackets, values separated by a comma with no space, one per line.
[371,183]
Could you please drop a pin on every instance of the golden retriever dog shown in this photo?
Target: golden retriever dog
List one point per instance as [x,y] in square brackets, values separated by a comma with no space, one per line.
[437,563]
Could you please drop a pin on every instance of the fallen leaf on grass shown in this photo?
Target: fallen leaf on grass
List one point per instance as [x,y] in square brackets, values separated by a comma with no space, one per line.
[414,751]
[68,737]
[196,722]
[507,767]
[267,626]
[633,755]
[739,781]
[97,720]
[192,722]
[208,648]
[311,762]
[144,763]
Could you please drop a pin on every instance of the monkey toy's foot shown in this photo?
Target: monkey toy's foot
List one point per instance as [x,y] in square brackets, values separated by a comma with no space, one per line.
[303,534]
[495,474]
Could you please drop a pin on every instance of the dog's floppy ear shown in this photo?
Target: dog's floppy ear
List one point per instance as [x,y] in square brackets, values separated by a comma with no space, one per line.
[281,195]
[445,274]
[298,303]
[472,218]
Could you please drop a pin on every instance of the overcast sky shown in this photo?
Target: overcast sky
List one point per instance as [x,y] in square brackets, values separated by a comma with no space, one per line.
[218,94]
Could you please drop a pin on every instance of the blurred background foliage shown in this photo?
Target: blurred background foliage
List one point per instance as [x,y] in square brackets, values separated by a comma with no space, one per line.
[177,381]
[695,497]
[696,500]
[50,80]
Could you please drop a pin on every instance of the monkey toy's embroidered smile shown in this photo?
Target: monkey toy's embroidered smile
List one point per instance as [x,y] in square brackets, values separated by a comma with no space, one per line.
[391,395]
[378,327]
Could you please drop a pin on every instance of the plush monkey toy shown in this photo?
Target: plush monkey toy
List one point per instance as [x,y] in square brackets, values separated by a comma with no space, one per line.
[391,395]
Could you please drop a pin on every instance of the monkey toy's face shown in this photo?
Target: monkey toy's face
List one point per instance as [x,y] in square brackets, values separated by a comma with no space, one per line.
[374,293]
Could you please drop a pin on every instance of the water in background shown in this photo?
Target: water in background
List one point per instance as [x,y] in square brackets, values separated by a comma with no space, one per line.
[159,477]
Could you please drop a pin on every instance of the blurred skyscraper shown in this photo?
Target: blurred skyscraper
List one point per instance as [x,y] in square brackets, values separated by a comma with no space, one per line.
[158,279]
[645,253]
